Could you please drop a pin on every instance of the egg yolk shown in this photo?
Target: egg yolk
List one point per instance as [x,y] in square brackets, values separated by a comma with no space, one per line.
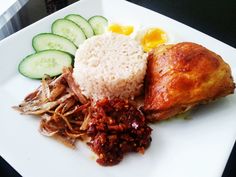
[116,28]
[152,38]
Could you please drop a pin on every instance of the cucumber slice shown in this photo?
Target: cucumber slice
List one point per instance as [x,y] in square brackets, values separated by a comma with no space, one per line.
[47,41]
[69,30]
[82,23]
[99,24]
[50,62]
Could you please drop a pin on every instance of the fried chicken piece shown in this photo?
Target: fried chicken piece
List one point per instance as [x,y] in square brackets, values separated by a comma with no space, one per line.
[182,76]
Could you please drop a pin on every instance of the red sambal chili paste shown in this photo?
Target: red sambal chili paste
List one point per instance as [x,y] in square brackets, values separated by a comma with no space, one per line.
[117,127]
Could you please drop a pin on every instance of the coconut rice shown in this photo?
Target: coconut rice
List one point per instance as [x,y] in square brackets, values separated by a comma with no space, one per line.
[110,65]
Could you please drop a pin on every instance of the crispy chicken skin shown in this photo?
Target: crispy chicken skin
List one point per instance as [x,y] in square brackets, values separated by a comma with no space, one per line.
[181,76]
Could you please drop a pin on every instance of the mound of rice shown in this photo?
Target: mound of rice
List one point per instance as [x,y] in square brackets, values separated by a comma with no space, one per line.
[110,65]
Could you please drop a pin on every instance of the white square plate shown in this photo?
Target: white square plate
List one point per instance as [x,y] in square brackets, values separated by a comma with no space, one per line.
[198,147]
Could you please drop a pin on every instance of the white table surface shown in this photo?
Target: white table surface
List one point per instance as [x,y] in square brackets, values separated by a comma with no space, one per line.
[5,5]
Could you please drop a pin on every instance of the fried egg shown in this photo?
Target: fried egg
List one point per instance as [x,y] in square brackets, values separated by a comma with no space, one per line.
[150,38]
[121,29]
